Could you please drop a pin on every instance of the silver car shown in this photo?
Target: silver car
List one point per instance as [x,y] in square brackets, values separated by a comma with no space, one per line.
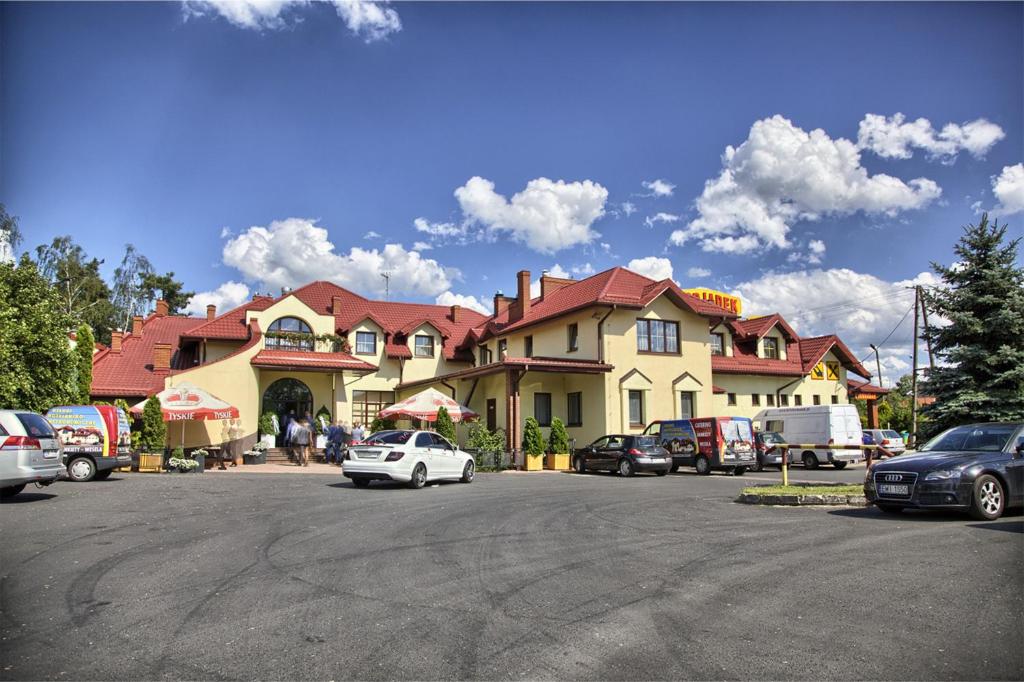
[887,438]
[29,451]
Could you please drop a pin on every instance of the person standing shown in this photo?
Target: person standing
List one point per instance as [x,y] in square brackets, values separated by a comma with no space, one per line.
[334,438]
[236,442]
[357,433]
[289,438]
[225,443]
[302,435]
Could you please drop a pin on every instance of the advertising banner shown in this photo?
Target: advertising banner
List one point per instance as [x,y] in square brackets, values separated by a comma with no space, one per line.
[80,428]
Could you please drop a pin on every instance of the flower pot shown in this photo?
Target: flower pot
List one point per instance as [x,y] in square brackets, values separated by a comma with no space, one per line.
[268,440]
[557,461]
[202,464]
[321,442]
[533,462]
[255,457]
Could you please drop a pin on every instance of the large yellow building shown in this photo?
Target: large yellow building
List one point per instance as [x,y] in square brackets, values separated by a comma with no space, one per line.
[609,353]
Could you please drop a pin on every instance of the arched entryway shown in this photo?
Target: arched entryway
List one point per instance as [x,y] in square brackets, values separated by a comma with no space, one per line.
[287,397]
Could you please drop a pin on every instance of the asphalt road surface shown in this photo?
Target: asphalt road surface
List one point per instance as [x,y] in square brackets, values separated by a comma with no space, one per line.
[521,576]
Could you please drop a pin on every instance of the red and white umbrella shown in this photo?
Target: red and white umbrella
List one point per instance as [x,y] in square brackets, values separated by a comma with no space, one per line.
[424,405]
[186,402]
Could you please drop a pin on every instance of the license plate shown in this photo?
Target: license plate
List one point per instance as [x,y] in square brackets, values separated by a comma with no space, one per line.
[889,489]
[50,454]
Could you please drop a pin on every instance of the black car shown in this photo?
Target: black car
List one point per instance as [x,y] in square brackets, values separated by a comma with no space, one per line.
[978,468]
[624,454]
[767,443]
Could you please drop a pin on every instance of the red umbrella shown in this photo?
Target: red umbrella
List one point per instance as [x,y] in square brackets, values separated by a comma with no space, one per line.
[186,402]
[424,405]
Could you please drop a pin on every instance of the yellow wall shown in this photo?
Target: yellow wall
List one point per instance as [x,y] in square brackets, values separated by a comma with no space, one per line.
[745,385]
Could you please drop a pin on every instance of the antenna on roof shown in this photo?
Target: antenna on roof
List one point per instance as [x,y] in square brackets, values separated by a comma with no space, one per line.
[387,283]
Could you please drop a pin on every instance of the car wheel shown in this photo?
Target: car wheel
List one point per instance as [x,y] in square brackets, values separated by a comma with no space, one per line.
[419,477]
[702,465]
[361,482]
[810,460]
[625,467]
[468,472]
[988,500]
[674,468]
[739,471]
[889,509]
[578,466]
[81,469]
[11,490]
[102,475]
[661,472]
[839,465]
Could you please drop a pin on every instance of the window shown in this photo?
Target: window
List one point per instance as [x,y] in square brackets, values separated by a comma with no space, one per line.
[755,399]
[289,333]
[686,405]
[424,440]
[502,348]
[574,337]
[771,348]
[366,343]
[784,400]
[575,409]
[657,336]
[835,400]
[485,355]
[817,400]
[528,346]
[771,399]
[732,399]
[636,408]
[542,408]
[798,400]
[440,441]
[366,405]
[424,346]
[718,344]
[775,425]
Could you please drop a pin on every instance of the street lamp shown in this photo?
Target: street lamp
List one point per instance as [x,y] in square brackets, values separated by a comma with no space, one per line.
[878,363]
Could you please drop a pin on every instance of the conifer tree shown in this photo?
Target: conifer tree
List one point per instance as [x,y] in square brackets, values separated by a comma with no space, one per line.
[84,345]
[558,439]
[444,425]
[154,430]
[533,441]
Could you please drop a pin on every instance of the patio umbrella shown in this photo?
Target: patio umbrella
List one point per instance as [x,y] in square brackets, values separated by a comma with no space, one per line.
[424,405]
[186,402]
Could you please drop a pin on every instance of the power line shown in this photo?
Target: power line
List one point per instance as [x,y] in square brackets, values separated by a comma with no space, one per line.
[889,335]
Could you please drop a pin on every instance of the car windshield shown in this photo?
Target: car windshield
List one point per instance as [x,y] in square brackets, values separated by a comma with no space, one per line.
[771,437]
[890,434]
[35,425]
[736,430]
[389,438]
[983,438]
[645,442]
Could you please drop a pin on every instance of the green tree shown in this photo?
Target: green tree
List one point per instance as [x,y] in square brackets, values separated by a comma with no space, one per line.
[444,425]
[154,430]
[37,366]
[10,233]
[558,439]
[84,346]
[83,293]
[165,287]
[533,440]
[980,373]
[127,295]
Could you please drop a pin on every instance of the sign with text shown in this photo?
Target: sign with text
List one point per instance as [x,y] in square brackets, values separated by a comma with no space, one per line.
[722,300]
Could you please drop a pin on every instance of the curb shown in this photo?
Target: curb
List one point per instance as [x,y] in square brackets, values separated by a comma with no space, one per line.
[804,500]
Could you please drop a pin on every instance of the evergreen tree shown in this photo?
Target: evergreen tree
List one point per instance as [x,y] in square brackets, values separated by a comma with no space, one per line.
[980,373]
[37,366]
[444,425]
[154,430]
[84,345]
[533,441]
[558,439]
[166,288]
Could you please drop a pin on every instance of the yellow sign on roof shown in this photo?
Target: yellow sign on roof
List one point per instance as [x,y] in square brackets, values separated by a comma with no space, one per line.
[731,303]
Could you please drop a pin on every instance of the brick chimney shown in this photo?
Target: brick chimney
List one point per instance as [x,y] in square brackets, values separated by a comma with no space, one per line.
[336,304]
[549,284]
[455,314]
[115,342]
[501,303]
[161,357]
[161,308]
[137,325]
[521,307]
[211,311]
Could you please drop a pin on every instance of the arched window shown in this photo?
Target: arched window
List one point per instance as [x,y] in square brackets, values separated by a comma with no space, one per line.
[290,333]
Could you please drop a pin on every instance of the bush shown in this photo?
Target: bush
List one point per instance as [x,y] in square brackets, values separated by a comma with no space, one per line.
[154,430]
[379,424]
[533,440]
[444,425]
[84,346]
[267,423]
[326,415]
[558,440]
[178,453]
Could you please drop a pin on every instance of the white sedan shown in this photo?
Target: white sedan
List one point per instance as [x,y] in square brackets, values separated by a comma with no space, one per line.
[413,457]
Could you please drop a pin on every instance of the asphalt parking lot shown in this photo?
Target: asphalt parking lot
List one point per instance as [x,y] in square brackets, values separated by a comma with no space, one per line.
[525,576]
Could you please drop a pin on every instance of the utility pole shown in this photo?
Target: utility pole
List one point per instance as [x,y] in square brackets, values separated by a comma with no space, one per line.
[927,329]
[878,364]
[387,284]
[913,377]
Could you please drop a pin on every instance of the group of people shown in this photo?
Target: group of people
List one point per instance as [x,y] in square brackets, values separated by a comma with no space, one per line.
[300,438]
[231,445]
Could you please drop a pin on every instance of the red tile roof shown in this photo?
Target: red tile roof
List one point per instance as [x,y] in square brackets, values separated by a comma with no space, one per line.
[529,364]
[311,360]
[864,388]
[748,363]
[757,327]
[801,353]
[130,372]
[397,351]
[231,325]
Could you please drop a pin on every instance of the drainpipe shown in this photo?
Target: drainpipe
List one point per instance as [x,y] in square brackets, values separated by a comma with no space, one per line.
[600,334]
[778,391]
[449,387]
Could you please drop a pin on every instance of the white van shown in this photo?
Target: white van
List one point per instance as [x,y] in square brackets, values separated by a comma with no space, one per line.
[816,425]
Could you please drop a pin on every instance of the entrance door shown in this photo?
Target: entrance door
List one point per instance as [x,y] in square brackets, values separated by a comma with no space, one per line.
[492,414]
[686,405]
[288,399]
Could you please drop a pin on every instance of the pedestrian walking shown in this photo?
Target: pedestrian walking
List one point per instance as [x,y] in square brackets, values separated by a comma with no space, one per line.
[303,434]
[332,452]
[236,442]
[289,437]
[225,444]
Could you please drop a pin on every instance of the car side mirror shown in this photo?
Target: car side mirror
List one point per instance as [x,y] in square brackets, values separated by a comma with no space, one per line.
[1019,453]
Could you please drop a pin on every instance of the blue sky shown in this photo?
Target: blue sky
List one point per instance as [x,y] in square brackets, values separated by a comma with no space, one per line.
[180,128]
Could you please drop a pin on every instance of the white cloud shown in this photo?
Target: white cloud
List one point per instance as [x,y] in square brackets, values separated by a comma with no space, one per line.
[894,138]
[372,235]
[547,215]
[815,251]
[658,188]
[584,270]
[421,246]
[370,19]
[225,232]
[782,175]
[860,308]
[557,270]
[471,302]
[439,230]
[1008,187]
[652,266]
[628,207]
[296,251]
[697,273]
[661,217]
[227,296]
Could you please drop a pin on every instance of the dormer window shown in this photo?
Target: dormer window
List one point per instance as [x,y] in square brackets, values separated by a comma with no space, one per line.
[771,348]
[502,348]
[366,343]
[424,346]
[718,344]
[289,333]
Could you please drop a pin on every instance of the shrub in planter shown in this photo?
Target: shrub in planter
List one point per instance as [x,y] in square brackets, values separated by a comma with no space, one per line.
[154,430]
[533,446]
[445,426]
[558,447]
[379,424]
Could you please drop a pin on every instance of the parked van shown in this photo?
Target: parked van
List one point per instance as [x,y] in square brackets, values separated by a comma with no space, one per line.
[708,443]
[816,425]
[96,439]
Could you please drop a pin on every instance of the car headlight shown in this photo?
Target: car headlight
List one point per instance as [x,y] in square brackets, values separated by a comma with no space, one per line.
[944,475]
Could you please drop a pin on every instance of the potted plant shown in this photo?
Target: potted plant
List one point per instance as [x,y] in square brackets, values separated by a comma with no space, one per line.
[558,447]
[180,463]
[152,435]
[533,446]
[268,429]
[258,454]
[444,426]
[199,455]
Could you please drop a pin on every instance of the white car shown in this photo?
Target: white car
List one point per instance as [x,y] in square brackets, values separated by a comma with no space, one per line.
[413,457]
[887,438]
[29,452]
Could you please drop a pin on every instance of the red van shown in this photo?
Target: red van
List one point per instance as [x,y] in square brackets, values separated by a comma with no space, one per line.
[708,443]
[96,439]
